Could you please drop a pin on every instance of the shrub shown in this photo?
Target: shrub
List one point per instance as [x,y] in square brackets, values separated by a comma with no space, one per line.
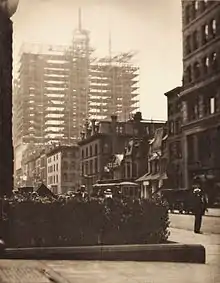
[77,221]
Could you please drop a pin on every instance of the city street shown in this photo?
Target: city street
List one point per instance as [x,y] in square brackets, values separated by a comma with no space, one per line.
[210,224]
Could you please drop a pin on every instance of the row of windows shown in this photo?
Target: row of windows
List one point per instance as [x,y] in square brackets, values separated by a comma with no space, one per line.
[207,65]
[157,166]
[130,170]
[195,8]
[53,168]
[197,110]
[90,167]
[65,177]
[53,179]
[198,38]
[90,151]
[53,158]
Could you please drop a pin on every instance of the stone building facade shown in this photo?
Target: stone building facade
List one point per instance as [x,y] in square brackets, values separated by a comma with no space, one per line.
[200,94]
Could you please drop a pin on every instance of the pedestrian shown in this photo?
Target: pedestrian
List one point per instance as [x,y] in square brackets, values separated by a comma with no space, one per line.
[199,208]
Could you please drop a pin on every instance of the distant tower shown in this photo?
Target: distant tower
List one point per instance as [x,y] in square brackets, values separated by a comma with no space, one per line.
[80,73]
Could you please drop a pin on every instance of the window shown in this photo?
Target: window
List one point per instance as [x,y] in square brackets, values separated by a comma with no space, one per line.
[82,153]
[213,27]
[188,44]
[196,70]
[205,33]
[189,74]
[87,152]
[91,151]
[119,129]
[178,126]
[171,127]
[205,65]
[214,61]
[96,165]
[128,170]
[134,171]
[187,14]
[196,5]
[96,149]
[91,167]
[195,40]
[212,105]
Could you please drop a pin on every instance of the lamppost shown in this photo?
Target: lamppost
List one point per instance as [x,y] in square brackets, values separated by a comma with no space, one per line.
[7,9]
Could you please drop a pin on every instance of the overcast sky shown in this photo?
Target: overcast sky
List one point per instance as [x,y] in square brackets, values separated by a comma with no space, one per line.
[150,27]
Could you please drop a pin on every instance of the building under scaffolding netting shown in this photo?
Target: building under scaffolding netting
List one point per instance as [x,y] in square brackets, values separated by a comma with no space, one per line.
[113,87]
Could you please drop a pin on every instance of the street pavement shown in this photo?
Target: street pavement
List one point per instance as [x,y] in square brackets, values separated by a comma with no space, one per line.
[16,271]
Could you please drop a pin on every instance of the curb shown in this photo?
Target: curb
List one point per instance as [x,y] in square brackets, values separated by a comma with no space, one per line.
[172,252]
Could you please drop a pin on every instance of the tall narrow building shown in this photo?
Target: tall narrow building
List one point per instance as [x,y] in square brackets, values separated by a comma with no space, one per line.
[200,94]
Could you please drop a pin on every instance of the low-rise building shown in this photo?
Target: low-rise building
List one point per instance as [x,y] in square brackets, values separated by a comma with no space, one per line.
[63,169]
[104,149]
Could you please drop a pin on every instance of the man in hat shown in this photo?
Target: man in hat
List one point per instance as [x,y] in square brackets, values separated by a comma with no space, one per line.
[199,208]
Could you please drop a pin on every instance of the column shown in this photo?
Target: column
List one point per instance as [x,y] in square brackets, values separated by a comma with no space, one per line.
[6,148]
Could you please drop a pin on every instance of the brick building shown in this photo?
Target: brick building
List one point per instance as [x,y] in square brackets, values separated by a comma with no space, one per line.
[200,95]
[108,149]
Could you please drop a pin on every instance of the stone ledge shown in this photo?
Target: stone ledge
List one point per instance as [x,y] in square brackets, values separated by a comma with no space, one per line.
[172,252]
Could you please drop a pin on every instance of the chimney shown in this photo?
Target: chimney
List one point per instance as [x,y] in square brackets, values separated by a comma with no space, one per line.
[138,116]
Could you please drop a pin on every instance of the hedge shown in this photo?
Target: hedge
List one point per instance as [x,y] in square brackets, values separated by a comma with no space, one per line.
[80,222]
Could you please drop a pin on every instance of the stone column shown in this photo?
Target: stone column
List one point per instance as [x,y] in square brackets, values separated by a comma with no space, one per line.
[6,147]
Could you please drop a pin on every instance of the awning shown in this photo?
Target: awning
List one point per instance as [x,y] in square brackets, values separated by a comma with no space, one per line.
[128,184]
[150,177]
[143,178]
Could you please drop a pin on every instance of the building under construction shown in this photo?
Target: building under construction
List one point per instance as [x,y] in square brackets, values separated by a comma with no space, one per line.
[58,87]
[113,87]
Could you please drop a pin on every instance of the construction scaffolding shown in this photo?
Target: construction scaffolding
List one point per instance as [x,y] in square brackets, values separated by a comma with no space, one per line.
[113,87]
[58,87]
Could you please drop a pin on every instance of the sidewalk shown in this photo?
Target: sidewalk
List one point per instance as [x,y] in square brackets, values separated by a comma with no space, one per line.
[213,212]
[211,242]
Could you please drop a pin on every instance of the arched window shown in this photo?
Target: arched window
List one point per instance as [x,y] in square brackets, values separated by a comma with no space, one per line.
[213,27]
[214,61]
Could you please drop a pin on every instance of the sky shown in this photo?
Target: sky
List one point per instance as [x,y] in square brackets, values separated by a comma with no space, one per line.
[151,28]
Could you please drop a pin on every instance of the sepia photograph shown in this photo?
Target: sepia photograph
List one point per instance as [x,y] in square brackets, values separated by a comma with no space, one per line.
[109,141]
